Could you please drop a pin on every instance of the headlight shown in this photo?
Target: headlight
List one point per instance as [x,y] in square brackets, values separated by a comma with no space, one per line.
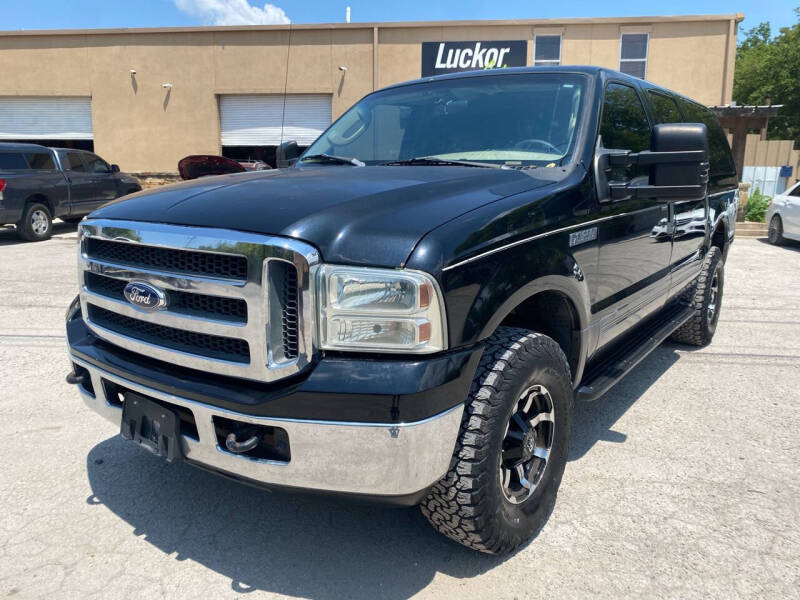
[379,309]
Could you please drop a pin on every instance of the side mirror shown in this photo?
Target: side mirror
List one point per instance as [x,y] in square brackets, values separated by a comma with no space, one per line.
[286,154]
[678,161]
[115,168]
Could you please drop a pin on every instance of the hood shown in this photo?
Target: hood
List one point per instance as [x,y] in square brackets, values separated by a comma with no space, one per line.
[367,215]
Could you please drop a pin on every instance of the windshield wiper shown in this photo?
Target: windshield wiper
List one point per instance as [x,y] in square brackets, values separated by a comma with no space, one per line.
[445,162]
[330,158]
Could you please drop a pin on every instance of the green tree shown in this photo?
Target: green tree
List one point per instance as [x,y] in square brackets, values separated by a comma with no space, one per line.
[770,66]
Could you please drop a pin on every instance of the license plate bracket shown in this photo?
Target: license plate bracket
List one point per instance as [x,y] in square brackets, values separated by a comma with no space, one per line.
[155,428]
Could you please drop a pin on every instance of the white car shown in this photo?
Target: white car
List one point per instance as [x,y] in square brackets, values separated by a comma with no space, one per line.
[783,216]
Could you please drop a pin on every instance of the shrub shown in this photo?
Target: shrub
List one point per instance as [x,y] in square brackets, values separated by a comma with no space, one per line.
[757,204]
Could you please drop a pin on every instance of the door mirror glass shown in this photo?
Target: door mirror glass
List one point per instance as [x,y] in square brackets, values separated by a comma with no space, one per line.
[115,168]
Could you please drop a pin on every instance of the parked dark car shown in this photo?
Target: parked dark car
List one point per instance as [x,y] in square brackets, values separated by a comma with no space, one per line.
[409,312]
[206,165]
[39,184]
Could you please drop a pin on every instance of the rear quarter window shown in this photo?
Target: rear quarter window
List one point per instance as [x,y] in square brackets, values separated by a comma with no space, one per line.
[664,108]
[41,161]
[720,157]
[12,161]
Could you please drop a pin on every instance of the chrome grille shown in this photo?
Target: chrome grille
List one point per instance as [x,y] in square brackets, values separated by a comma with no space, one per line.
[238,304]
[289,316]
[200,305]
[166,259]
[203,344]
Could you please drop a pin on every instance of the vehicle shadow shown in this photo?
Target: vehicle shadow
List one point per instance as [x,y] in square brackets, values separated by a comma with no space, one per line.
[308,545]
[294,544]
[8,235]
[788,244]
[593,422]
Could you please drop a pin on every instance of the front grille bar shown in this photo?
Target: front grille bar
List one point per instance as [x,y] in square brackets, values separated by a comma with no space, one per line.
[199,305]
[200,344]
[229,310]
[223,266]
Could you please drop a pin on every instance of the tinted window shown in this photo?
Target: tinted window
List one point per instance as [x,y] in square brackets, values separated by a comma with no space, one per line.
[547,50]
[633,54]
[41,161]
[624,124]
[795,191]
[720,157]
[518,120]
[95,164]
[12,160]
[73,162]
[665,110]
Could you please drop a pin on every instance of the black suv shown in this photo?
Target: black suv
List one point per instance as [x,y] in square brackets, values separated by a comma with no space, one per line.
[410,310]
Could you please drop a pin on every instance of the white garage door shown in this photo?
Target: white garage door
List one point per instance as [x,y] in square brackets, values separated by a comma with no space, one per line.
[266,120]
[35,118]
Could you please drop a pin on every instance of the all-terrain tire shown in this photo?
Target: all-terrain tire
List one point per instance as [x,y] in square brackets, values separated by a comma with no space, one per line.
[468,504]
[36,224]
[705,297]
[775,231]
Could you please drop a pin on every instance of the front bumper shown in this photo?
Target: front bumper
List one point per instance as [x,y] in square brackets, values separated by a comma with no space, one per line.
[380,455]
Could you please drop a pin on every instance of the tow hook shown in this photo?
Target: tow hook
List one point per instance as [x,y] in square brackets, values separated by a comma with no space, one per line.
[237,447]
[74,379]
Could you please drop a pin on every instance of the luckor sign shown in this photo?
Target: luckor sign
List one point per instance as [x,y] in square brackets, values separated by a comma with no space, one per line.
[451,57]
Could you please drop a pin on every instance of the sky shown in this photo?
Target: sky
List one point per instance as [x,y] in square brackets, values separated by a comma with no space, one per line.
[82,14]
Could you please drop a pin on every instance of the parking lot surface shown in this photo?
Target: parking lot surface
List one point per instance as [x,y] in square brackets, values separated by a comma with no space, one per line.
[683,481]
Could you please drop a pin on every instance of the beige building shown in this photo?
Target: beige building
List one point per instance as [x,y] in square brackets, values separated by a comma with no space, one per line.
[144,98]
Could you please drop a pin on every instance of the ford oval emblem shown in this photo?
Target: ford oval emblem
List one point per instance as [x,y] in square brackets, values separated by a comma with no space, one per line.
[145,296]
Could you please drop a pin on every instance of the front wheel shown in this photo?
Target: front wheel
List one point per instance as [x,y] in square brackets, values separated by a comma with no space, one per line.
[512,446]
[775,232]
[36,224]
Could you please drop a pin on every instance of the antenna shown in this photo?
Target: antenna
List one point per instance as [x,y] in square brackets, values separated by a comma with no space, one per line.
[347,15]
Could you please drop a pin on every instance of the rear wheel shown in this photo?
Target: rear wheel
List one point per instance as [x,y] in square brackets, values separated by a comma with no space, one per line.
[512,447]
[775,232]
[706,299]
[36,224]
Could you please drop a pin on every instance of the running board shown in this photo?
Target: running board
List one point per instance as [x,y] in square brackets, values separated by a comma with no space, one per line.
[630,351]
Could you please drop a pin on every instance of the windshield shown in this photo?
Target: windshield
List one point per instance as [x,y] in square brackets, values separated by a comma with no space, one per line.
[515,120]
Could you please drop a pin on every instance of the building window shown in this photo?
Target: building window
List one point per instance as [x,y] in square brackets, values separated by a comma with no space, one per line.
[546,50]
[633,54]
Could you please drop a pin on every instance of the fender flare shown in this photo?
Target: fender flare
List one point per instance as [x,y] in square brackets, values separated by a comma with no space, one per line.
[576,292]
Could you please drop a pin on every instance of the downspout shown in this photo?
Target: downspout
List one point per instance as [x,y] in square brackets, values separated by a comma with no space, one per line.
[730,63]
[374,58]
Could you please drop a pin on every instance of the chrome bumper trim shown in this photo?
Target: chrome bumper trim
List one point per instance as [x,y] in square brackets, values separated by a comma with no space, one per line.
[390,459]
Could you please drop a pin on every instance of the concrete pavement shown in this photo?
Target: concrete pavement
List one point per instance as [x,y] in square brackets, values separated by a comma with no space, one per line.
[683,482]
